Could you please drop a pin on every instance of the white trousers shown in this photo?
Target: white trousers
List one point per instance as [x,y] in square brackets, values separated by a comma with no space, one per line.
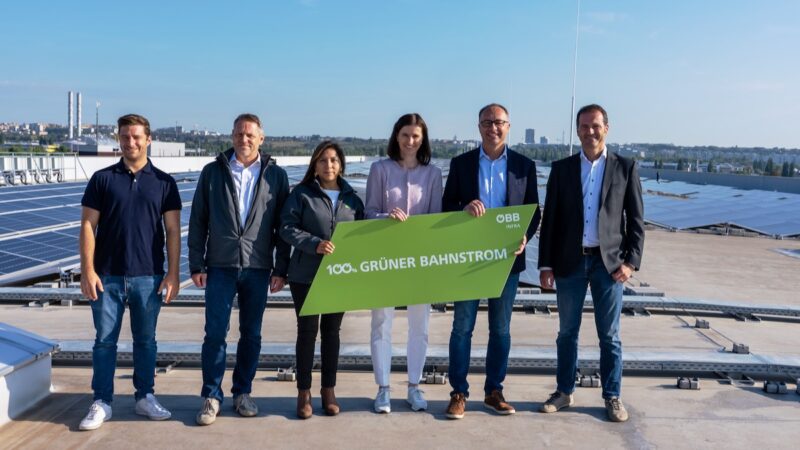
[381,342]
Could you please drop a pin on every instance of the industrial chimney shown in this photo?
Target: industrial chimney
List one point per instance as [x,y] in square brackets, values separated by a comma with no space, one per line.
[79,115]
[70,121]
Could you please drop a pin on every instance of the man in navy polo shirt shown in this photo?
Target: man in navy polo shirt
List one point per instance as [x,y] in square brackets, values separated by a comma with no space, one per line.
[122,262]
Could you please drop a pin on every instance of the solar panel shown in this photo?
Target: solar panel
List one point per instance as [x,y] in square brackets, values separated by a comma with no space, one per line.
[10,263]
[673,204]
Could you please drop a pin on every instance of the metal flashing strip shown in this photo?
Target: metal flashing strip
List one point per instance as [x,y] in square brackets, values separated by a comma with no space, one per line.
[520,359]
[192,296]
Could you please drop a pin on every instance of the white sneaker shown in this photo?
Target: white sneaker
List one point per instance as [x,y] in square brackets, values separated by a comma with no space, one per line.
[99,412]
[415,399]
[149,406]
[383,403]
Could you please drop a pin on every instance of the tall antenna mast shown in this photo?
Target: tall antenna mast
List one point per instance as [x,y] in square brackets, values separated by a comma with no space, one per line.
[574,76]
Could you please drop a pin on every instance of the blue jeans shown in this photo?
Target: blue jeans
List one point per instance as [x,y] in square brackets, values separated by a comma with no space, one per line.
[499,339]
[607,299]
[144,302]
[222,284]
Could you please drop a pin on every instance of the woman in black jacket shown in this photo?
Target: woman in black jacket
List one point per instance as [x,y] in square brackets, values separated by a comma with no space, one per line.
[321,200]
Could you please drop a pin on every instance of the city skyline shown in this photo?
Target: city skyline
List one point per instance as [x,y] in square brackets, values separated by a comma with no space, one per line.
[716,73]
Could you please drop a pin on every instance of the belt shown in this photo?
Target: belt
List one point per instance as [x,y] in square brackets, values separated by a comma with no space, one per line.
[587,251]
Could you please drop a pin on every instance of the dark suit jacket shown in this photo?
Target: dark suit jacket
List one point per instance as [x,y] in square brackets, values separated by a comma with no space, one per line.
[620,223]
[521,188]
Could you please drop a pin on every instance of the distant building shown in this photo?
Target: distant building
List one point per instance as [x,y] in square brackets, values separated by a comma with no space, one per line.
[89,147]
[39,128]
[159,148]
[543,140]
[725,168]
[530,136]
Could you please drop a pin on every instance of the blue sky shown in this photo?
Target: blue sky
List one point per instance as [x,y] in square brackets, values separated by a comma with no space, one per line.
[708,72]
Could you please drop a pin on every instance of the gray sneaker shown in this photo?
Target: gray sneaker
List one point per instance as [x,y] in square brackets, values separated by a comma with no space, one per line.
[616,410]
[245,406]
[415,399]
[209,412]
[383,403]
[558,400]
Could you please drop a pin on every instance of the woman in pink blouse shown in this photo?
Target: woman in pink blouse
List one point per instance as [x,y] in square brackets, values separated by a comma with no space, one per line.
[403,185]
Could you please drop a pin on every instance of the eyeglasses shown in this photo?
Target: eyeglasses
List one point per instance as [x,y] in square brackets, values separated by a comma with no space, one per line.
[488,123]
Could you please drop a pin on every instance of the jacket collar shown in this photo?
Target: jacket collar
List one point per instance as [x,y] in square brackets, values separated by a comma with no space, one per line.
[226,156]
[344,186]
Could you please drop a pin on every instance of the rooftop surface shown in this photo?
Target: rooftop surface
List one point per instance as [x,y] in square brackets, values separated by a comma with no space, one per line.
[716,416]
[659,343]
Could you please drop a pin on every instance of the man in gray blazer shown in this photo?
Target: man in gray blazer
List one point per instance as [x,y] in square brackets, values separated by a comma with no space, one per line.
[592,234]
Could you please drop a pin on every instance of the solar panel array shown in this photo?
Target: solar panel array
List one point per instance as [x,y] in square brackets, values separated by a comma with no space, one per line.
[690,206]
[685,206]
[39,224]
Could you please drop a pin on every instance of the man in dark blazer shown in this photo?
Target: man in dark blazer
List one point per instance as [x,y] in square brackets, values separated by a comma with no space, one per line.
[592,234]
[490,176]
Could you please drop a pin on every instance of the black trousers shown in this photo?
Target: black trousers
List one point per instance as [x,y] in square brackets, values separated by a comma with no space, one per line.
[329,326]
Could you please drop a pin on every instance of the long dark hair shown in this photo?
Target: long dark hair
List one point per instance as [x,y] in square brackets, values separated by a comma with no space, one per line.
[324,145]
[424,152]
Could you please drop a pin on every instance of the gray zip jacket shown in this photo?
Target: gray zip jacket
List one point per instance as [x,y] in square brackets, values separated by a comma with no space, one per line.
[217,238]
[308,218]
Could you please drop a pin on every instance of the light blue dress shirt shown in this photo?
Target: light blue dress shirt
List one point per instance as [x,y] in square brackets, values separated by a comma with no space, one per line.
[592,186]
[492,176]
[244,179]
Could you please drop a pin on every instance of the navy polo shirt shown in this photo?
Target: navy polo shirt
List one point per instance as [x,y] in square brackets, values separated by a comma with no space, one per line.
[130,232]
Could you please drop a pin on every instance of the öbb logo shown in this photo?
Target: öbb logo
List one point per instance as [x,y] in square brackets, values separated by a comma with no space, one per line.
[510,219]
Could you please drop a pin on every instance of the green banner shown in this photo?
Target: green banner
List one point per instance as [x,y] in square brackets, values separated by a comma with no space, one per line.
[429,258]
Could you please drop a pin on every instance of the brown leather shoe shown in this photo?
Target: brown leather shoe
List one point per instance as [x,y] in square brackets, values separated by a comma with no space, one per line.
[497,403]
[304,403]
[458,403]
[329,401]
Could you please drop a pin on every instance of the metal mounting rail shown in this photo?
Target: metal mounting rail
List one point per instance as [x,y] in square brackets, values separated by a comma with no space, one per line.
[195,297]
[190,296]
[672,304]
[521,359]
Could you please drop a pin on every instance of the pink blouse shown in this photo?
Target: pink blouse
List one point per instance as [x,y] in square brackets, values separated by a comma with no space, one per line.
[415,191]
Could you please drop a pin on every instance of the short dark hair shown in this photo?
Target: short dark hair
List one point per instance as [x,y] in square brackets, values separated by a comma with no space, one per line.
[247,117]
[492,105]
[424,152]
[592,108]
[317,155]
[134,119]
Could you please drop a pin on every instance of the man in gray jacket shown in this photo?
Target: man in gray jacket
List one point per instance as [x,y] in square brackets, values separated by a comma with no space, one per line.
[232,238]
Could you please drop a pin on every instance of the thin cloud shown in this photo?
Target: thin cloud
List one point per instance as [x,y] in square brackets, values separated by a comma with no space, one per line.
[760,86]
[606,16]
[592,29]
[782,31]
[655,34]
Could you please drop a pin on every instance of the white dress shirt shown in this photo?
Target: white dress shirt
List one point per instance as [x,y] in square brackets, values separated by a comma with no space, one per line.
[592,187]
[244,179]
